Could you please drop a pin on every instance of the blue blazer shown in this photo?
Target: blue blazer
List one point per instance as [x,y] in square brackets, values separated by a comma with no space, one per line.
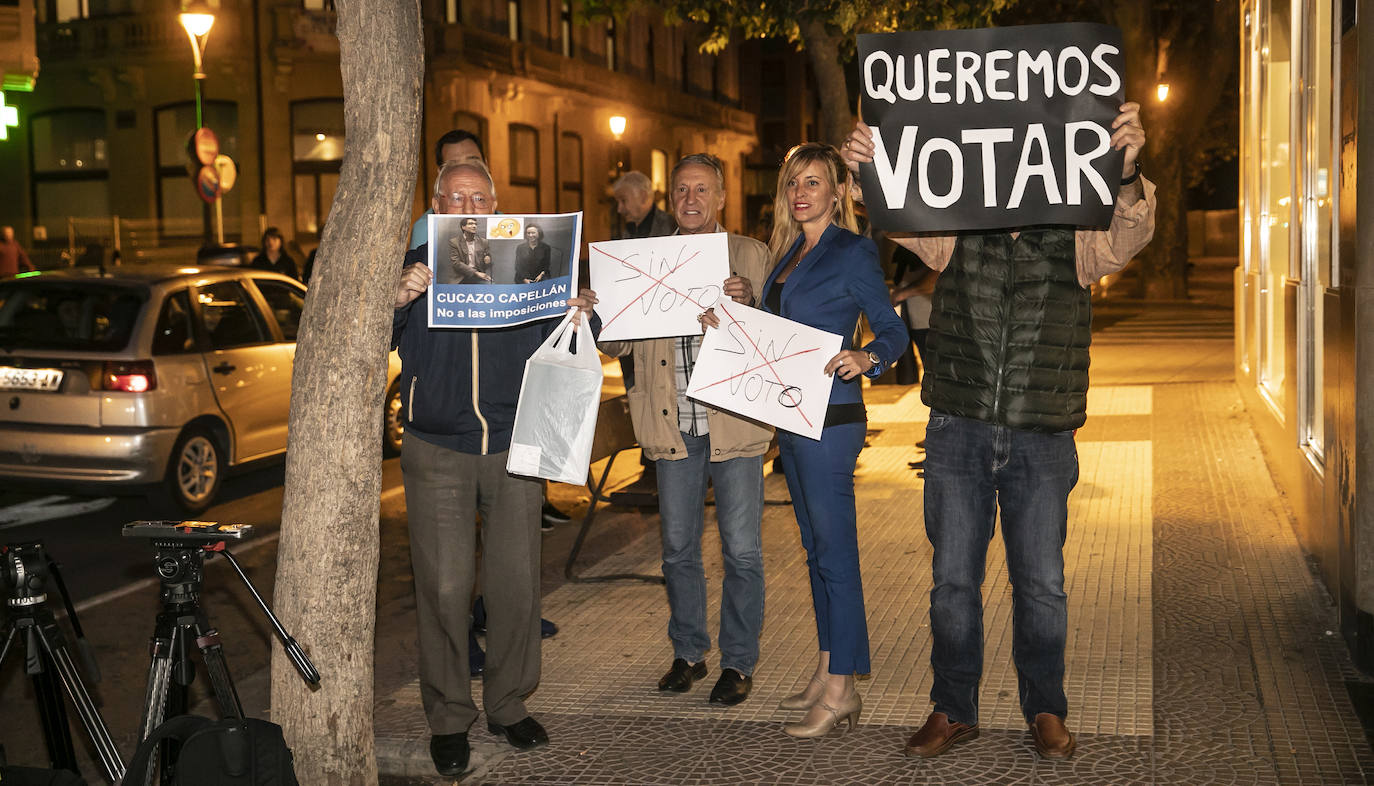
[828,289]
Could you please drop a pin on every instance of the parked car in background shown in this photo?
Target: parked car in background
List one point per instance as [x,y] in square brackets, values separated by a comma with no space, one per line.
[226,254]
[152,374]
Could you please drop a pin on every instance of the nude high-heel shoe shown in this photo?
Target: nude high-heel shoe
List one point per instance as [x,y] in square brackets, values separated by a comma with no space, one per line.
[807,697]
[829,717]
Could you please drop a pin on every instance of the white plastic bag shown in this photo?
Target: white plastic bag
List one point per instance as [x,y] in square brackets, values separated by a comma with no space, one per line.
[555,419]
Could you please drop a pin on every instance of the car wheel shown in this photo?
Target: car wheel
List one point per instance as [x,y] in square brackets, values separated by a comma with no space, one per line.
[195,471]
[393,428]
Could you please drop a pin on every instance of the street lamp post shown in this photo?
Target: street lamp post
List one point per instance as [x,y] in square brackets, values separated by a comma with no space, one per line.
[197,19]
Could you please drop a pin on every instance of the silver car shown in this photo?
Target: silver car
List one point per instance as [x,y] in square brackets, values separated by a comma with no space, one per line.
[154,374]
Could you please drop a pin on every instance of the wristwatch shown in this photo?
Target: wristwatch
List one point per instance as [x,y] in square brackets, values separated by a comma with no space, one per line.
[873,358]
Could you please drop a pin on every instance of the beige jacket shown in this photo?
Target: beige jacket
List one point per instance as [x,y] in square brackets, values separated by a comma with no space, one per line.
[653,399]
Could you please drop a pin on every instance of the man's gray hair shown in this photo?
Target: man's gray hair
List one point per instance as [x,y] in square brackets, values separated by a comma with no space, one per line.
[700,159]
[633,179]
[464,166]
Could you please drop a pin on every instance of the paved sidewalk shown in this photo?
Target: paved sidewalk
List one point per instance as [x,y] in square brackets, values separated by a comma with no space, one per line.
[1201,648]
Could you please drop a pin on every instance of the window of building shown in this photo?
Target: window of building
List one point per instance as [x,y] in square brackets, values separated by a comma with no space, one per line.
[686,66]
[565,28]
[318,5]
[181,212]
[513,19]
[570,171]
[473,123]
[611,61]
[523,194]
[658,175]
[317,145]
[453,12]
[1317,126]
[650,72]
[70,167]
[1277,211]
[66,10]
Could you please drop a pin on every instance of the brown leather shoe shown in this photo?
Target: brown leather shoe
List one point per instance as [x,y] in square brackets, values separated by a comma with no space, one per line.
[935,737]
[1052,738]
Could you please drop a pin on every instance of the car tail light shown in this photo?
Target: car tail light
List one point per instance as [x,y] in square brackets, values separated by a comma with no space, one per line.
[134,376]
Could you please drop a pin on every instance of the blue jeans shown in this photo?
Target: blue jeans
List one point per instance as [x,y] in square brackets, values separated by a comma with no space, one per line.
[972,469]
[820,476]
[739,514]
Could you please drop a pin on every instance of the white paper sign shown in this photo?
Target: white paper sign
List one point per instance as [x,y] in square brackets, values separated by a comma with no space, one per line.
[655,287]
[765,368]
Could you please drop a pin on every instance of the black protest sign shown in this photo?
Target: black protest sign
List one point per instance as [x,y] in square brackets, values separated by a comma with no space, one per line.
[994,128]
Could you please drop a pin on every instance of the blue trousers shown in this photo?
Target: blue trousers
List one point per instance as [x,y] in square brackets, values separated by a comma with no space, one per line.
[739,515]
[820,476]
[972,469]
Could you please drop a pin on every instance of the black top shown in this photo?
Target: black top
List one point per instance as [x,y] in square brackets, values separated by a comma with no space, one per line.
[835,414]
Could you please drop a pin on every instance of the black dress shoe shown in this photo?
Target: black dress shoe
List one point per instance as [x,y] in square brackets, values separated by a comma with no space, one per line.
[450,753]
[681,676]
[731,688]
[523,734]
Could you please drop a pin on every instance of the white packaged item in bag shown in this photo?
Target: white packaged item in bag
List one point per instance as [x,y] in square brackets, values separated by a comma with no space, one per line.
[555,419]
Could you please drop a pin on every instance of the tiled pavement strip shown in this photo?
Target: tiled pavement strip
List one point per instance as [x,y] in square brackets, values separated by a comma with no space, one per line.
[1199,644]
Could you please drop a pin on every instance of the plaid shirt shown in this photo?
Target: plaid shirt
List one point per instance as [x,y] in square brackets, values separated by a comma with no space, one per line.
[691,415]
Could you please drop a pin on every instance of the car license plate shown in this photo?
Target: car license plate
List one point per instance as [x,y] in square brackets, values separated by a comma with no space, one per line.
[45,379]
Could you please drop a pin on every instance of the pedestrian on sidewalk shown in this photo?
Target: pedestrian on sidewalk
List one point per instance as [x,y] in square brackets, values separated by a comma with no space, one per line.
[1004,406]
[634,200]
[13,260]
[460,411]
[692,444]
[825,275]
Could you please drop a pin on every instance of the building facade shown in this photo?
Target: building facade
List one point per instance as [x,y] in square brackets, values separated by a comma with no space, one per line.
[1304,323]
[101,154]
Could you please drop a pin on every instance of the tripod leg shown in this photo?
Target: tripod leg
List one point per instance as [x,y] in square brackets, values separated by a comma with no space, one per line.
[51,713]
[212,651]
[61,660]
[159,676]
[9,639]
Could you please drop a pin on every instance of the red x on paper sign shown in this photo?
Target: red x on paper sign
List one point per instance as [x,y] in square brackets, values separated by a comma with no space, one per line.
[766,368]
[655,287]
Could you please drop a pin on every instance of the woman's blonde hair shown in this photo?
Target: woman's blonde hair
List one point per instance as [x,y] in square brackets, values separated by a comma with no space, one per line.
[785,227]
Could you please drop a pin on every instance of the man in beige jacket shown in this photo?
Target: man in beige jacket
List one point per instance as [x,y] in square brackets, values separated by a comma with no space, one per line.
[692,443]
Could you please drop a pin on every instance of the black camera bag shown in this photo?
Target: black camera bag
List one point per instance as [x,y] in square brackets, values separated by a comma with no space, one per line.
[229,752]
[31,776]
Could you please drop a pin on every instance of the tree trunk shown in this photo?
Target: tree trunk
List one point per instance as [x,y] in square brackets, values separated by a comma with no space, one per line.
[1164,262]
[327,559]
[1199,60]
[823,49]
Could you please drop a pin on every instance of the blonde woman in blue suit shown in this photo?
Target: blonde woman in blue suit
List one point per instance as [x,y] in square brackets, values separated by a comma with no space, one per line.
[824,275]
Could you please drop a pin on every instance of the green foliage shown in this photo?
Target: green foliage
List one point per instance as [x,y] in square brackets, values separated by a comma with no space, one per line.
[724,20]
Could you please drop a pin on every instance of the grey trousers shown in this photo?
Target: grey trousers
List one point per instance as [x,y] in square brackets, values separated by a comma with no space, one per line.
[444,491]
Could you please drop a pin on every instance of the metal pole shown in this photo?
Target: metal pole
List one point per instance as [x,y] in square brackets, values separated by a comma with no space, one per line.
[200,123]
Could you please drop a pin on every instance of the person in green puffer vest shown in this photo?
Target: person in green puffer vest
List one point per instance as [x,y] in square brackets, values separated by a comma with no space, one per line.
[1007,386]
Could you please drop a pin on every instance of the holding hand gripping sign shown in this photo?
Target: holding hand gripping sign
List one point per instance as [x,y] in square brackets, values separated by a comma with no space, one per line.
[765,368]
[655,287]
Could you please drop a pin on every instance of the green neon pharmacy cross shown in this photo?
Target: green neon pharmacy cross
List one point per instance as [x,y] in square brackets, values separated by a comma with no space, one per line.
[9,117]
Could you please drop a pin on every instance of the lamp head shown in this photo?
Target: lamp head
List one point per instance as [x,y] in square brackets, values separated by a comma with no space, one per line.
[618,126]
[1162,91]
[198,18]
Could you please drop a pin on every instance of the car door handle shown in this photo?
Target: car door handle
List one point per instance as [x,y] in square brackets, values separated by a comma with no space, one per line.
[224,368]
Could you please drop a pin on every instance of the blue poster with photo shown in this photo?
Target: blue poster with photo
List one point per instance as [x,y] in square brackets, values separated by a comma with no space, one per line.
[502,269]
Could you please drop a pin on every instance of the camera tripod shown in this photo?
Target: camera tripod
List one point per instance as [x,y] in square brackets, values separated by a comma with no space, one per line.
[24,568]
[182,548]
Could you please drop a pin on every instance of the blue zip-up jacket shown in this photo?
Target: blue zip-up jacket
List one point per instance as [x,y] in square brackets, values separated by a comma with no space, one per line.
[459,387]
